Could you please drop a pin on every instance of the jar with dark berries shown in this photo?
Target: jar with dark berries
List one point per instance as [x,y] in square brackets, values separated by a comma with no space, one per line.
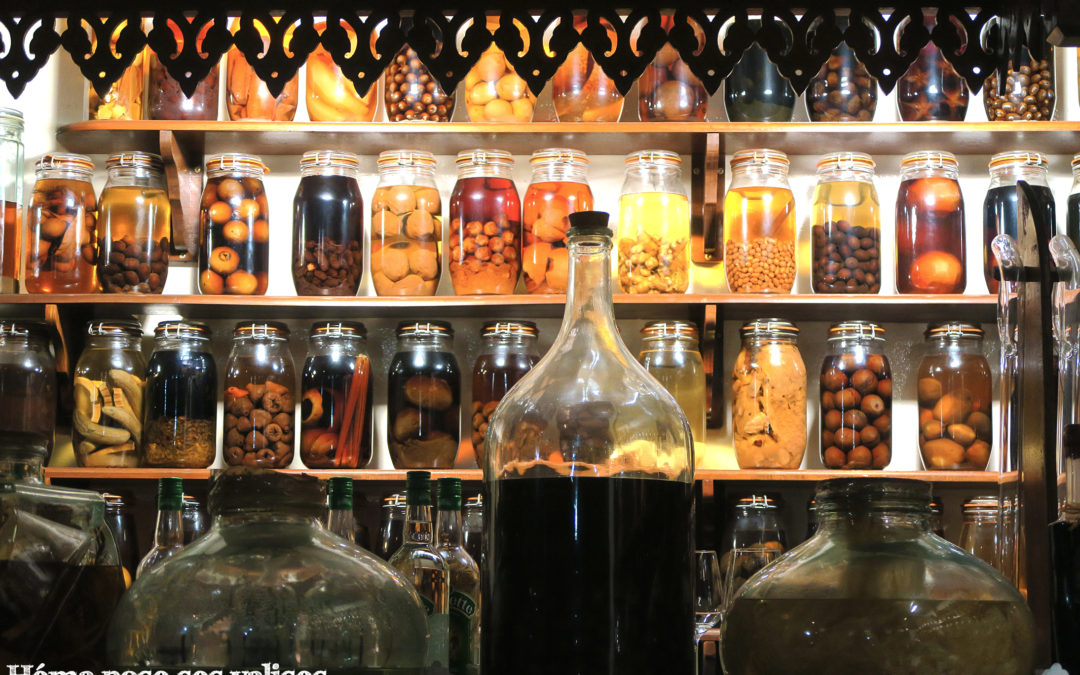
[856,398]
[412,93]
[845,221]
[328,225]
[134,220]
[485,225]
[843,90]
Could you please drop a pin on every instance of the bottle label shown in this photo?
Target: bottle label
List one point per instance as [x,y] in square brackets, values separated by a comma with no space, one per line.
[464,628]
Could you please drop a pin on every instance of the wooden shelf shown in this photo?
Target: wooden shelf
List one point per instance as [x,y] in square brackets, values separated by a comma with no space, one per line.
[801,138]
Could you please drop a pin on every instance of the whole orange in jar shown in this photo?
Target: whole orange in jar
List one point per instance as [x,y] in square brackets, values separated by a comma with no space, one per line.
[406,225]
[485,224]
[668,90]
[248,97]
[494,92]
[330,96]
[61,254]
[581,91]
[930,241]
[234,255]
[558,188]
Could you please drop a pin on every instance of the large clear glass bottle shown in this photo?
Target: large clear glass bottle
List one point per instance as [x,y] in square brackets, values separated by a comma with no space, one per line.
[759,223]
[654,225]
[169,530]
[1000,208]
[669,351]
[845,226]
[406,225]
[558,188]
[11,199]
[590,464]
[134,221]
[464,580]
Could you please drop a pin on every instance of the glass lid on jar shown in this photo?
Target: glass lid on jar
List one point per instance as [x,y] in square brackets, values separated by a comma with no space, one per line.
[390,158]
[64,161]
[23,328]
[333,159]
[1076,163]
[421,328]
[653,158]
[469,158]
[954,329]
[846,161]
[1019,158]
[11,119]
[929,159]
[566,156]
[760,157]
[183,329]
[398,500]
[986,505]
[856,329]
[509,329]
[235,162]
[769,328]
[142,160]
[758,502]
[353,329]
[122,327]
[663,329]
[261,329]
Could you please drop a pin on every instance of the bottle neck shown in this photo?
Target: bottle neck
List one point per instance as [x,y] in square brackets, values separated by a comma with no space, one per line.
[418,524]
[170,528]
[874,523]
[449,527]
[588,295]
[342,523]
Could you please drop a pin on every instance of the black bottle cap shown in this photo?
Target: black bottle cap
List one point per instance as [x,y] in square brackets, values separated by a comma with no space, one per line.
[589,223]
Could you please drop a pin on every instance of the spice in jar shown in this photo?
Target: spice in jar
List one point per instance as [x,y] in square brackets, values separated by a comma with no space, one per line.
[485,224]
[654,225]
[669,351]
[109,385]
[234,255]
[845,226]
[412,93]
[1000,208]
[406,225]
[759,224]
[328,225]
[1029,92]
[247,96]
[181,398]
[930,242]
[329,95]
[668,90]
[166,100]
[134,219]
[955,396]
[931,89]
[843,90]
[424,397]
[509,352]
[28,385]
[580,90]
[856,398]
[768,388]
[494,92]
[61,222]
[557,189]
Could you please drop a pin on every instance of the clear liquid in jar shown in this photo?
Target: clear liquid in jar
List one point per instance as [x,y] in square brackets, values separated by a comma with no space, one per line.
[846,238]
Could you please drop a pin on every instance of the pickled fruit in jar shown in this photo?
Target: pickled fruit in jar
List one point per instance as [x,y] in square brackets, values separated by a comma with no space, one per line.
[581,91]
[109,395]
[485,225]
[247,96]
[931,89]
[856,399]
[509,353]
[165,99]
[424,398]
[335,408]
[406,225]
[668,90]
[260,397]
[124,100]
[930,240]
[412,94]
[234,228]
[329,95]
[557,189]
[654,243]
[61,253]
[494,92]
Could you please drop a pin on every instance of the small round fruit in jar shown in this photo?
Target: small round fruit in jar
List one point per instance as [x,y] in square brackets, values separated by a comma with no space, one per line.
[235,249]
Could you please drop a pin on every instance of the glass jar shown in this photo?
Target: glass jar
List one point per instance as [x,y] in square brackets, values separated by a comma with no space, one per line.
[999,206]
[412,94]
[558,188]
[109,393]
[931,89]
[61,222]
[654,225]
[845,220]
[768,389]
[221,601]
[121,522]
[424,397]
[1029,89]
[194,519]
[930,240]
[668,91]
[181,398]
[124,100]
[28,385]
[669,351]
[234,255]
[335,411]
[260,403]
[473,511]
[328,225]
[11,199]
[494,92]
[406,225]
[872,588]
[580,90]
[485,225]
[843,90]
[755,534]
[982,531]
[392,530]
[509,351]
[165,99]
[955,396]
[330,96]
[134,221]
[856,398]
[759,224]
[247,96]
[755,91]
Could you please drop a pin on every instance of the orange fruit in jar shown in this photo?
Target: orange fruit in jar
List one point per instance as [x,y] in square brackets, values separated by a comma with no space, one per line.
[491,65]
[230,189]
[511,87]
[936,194]
[261,230]
[219,212]
[498,111]
[211,283]
[236,231]
[241,282]
[523,109]
[224,260]
[481,94]
[248,209]
[559,272]
[261,282]
[401,199]
[937,272]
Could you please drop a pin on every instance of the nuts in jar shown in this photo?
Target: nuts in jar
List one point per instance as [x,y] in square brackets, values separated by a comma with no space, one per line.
[234,256]
[328,225]
[412,94]
[134,220]
[61,256]
[558,188]
[846,226]
[654,225]
[485,224]
[856,398]
[1029,92]
[406,225]
[759,224]
[843,90]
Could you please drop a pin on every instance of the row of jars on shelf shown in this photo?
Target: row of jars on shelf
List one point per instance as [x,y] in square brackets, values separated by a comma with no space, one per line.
[755,91]
[121,241]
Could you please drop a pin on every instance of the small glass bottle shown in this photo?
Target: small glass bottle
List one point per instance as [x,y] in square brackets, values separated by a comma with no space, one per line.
[424,397]
[61,223]
[654,225]
[412,94]
[260,399]
[340,518]
[755,91]
[494,92]
[759,224]
[335,411]
[1072,215]
[234,252]
[165,99]
[999,206]
[169,530]
[247,96]
[464,575]
[955,389]
[109,388]
[669,351]
[843,90]
[195,519]
[981,530]
[931,89]
[121,521]
[329,95]
[392,525]
[134,221]
[856,398]
[558,188]
[580,89]
[11,199]
[328,225]
[845,226]
[485,224]
[668,90]
[28,385]
[768,390]
[509,352]
[406,225]
[1029,93]
[474,527]
[181,398]
[930,241]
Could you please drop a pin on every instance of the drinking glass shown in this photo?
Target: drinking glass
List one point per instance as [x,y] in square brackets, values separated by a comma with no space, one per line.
[744,563]
[708,599]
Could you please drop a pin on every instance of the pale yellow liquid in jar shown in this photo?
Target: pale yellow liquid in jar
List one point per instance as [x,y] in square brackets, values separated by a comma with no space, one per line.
[654,243]
[682,373]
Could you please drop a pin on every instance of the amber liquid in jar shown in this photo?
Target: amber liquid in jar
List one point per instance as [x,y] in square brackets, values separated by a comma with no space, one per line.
[423,410]
[930,236]
[336,412]
[581,91]
[61,220]
[669,91]
[546,212]
[260,406]
[955,417]
[485,236]
[406,240]
[234,257]
[11,253]
[846,238]
[133,228]
[759,234]
[856,411]
[412,94]
[328,222]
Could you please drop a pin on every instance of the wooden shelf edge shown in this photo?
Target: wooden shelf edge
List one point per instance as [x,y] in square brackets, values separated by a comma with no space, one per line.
[815,475]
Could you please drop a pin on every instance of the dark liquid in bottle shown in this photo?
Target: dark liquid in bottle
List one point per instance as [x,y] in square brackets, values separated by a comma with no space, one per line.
[588,575]
[327,383]
[1072,219]
[27,401]
[182,384]
[1065,556]
[423,410]
[328,218]
[756,91]
[999,217]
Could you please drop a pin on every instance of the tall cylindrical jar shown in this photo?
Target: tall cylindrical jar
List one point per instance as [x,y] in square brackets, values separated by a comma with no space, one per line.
[856,398]
[843,90]
[424,397]
[134,221]
[955,390]
[981,530]
[845,221]
[509,351]
[260,396]
[11,199]
[234,251]
[28,386]
[165,99]
[180,420]
[931,89]
[247,96]
[768,389]
[930,241]
[1029,93]
[669,351]
[653,236]
[406,225]
[125,97]
[1072,215]
[328,225]
[1000,205]
[337,385]
[580,90]
[61,226]
[109,394]
[412,94]
[558,188]
[668,91]
[329,95]
[759,224]
[494,92]
[485,224]
[755,91]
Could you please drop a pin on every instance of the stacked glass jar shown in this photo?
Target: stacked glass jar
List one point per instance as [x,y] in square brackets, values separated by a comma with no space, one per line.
[328,225]
[485,225]
[845,224]
[28,386]
[654,225]
[406,225]
[930,242]
[247,96]
[759,224]
[494,92]
[134,220]
[165,99]
[1029,92]
[843,90]
[328,94]
[558,188]
[234,252]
